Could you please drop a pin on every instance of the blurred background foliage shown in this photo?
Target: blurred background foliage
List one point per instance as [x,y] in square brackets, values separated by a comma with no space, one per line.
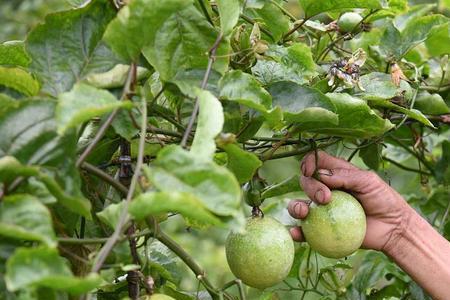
[365,273]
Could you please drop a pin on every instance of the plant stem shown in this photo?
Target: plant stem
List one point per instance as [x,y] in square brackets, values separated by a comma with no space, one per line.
[299,151]
[212,53]
[405,167]
[66,240]
[251,21]
[123,219]
[105,177]
[295,28]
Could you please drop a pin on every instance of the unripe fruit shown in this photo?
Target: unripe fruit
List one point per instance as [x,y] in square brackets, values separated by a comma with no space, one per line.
[262,255]
[336,229]
[348,21]
[157,297]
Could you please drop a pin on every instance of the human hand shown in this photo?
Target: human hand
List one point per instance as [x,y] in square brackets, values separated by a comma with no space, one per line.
[385,209]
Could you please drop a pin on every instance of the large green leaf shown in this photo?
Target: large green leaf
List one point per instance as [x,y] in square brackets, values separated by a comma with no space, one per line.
[28,132]
[111,214]
[13,53]
[20,80]
[397,43]
[303,105]
[314,7]
[138,23]
[293,63]
[412,113]
[431,104]
[82,103]
[438,43]
[290,184]
[43,267]
[229,11]
[356,119]
[209,125]
[215,186]
[272,18]
[242,163]
[186,204]
[24,217]
[379,86]
[68,46]
[182,41]
[245,89]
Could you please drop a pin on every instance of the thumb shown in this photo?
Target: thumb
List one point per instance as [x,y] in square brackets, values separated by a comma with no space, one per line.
[354,180]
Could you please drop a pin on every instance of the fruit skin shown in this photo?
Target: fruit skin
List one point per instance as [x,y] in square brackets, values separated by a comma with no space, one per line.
[348,21]
[336,229]
[158,297]
[262,255]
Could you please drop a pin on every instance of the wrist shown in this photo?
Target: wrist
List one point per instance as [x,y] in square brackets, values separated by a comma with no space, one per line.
[399,236]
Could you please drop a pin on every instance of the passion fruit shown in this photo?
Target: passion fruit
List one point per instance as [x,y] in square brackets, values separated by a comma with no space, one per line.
[336,229]
[262,255]
[348,21]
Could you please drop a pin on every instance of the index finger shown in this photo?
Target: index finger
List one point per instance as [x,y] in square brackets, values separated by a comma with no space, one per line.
[325,161]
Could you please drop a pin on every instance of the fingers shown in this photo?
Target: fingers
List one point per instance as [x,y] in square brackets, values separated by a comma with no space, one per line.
[316,190]
[354,180]
[325,161]
[297,234]
[298,209]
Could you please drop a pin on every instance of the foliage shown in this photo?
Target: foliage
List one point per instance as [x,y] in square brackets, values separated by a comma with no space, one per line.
[130,129]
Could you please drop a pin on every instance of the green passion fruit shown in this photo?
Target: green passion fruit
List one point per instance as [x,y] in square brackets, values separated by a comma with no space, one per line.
[336,229]
[348,21]
[161,297]
[262,255]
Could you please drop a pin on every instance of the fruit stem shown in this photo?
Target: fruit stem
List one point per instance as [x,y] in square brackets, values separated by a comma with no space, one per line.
[257,212]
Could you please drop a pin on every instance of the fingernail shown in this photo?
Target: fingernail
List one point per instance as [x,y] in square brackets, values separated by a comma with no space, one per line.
[319,196]
[303,167]
[298,209]
[325,172]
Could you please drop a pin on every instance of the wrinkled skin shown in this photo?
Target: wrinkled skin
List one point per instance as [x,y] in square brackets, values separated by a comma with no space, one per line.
[262,255]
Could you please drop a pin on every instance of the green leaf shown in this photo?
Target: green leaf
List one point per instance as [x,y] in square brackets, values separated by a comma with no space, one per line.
[244,89]
[137,25]
[186,204]
[189,80]
[412,113]
[111,214]
[215,186]
[380,86]
[438,43]
[443,165]
[242,163]
[20,80]
[43,267]
[371,155]
[314,7]
[24,217]
[296,60]
[418,30]
[82,103]
[356,119]
[209,125]
[303,105]
[11,168]
[272,18]
[431,104]
[28,132]
[229,11]
[390,40]
[67,47]
[13,53]
[290,184]
[116,77]
[74,203]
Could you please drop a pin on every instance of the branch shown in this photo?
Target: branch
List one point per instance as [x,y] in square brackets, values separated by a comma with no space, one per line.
[295,28]
[184,256]
[123,219]
[405,167]
[212,53]
[105,177]
[299,151]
